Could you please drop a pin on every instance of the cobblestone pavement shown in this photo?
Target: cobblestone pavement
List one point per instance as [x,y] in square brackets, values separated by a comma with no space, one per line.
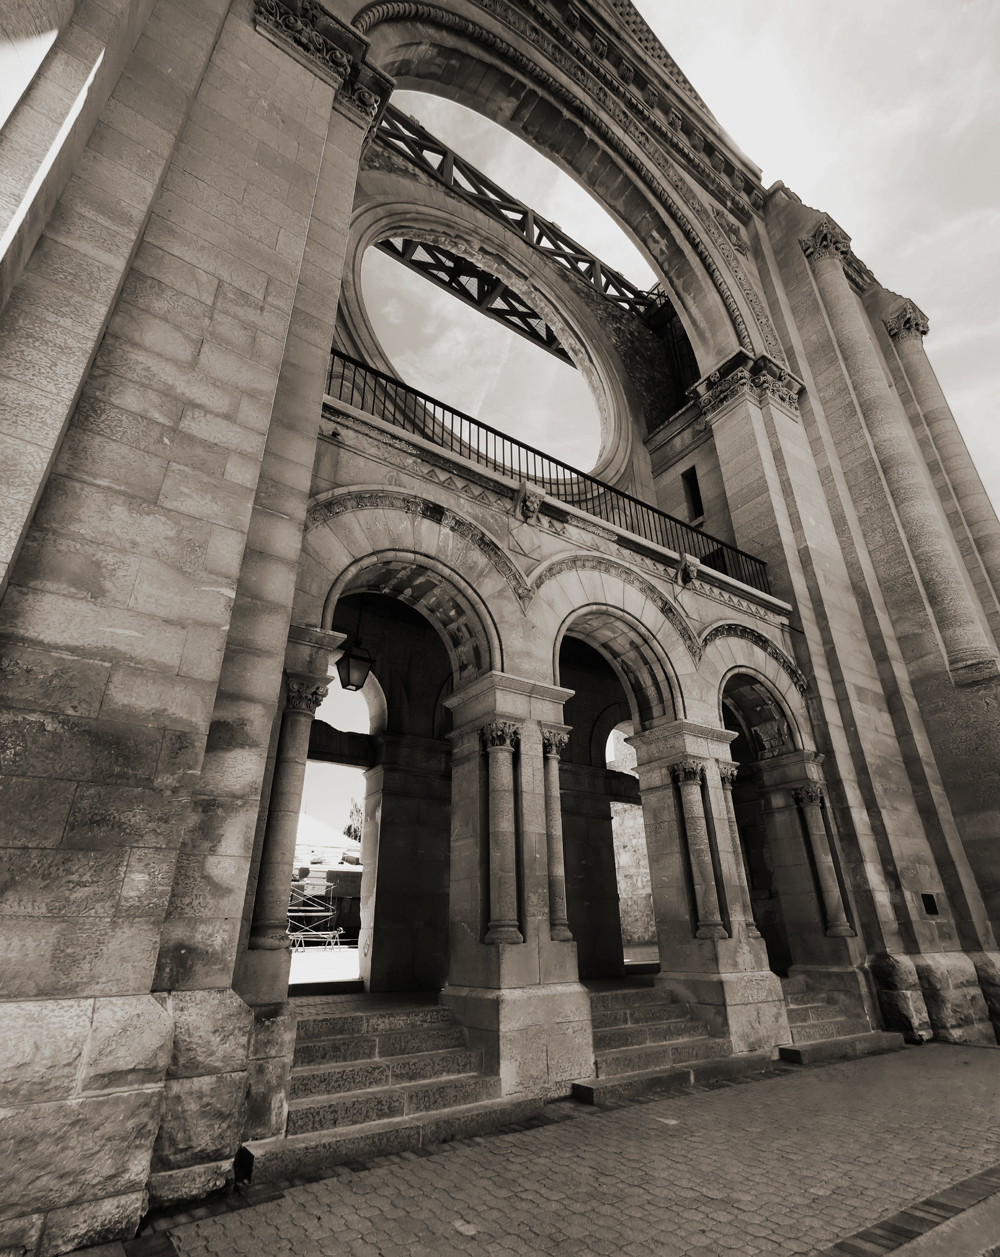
[789,1164]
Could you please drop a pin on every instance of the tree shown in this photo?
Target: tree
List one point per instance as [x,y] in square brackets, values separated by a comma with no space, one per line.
[353,827]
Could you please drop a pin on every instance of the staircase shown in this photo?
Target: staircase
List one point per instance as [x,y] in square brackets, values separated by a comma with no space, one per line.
[646,1040]
[374,1075]
[828,1025]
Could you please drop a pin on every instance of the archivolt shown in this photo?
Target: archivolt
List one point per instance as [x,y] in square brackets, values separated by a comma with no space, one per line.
[378,499]
[595,563]
[749,634]
[376,14]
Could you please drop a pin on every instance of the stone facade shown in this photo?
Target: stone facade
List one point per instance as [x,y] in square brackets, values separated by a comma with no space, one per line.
[189,188]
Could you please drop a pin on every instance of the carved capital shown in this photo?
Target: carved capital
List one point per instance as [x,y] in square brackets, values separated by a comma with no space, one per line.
[808,796]
[761,379]
[305,695]
[502,734]
[828,240]
[554,741]
[728,773]
[688,770]
[909,321]
[305,29]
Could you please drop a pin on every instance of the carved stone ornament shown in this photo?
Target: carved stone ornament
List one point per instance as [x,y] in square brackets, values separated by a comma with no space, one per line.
[305,696]
[688,770]
[762,380]
[674,120]
[554,741]
[687,570]
[728,773]
[828,240]
[365,101]
[296,26]
[626,74]
[501,733]
[808,796]
[717,162]
[572,19]
[697,141]
[908,321]
[600,46]
[652,96]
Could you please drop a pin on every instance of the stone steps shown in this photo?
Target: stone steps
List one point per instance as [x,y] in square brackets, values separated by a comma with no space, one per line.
[628,997]
[329,1026]
[683,1027]
[435,1037]
[631,1060]
[375,1104]
[609,1090]
[840,1028]
[800,1014]
[359,1075]
[269,1159]
[842,1048]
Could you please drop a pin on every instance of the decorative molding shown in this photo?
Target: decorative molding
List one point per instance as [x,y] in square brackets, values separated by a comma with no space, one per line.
[554,741]
[307,31]
[908,322]
[732,231]
[728,773]
[305,695]
[808,796]
[380,500]
[595,563]
[641,132]
[828,240]
[762,380]
[688,770]
[748,634]
[501,733]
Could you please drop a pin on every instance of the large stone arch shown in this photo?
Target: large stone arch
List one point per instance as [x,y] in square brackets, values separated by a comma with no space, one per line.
[519,73]
[413,549]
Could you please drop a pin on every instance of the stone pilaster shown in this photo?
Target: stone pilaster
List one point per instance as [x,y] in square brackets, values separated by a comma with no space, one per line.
[512,981]
[723,973]
[809,799]
[970,656]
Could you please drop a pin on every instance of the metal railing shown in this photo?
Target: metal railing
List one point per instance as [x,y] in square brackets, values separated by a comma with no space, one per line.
[361,386]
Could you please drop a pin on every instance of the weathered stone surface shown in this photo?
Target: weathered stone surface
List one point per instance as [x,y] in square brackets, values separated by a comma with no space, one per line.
[77,1150]
[130,1043]
[267,1097]
[92,1222]
[274,1036]
[17,1234]
[41,1043]
[211,1033]
[202,1120]
[168,1187]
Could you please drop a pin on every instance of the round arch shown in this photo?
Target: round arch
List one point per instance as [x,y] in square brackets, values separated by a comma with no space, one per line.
[521,79]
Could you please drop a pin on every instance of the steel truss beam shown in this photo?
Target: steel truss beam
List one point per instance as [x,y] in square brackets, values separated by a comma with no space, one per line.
[406,136]
[476,287]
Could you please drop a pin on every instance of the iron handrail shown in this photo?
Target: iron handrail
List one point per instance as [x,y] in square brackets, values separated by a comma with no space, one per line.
[357,384]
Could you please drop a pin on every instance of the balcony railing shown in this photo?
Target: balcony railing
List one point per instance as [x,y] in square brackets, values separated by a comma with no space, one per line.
[364,388]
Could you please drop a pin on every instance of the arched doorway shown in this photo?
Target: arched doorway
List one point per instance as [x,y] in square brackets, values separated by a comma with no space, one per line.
[785,830]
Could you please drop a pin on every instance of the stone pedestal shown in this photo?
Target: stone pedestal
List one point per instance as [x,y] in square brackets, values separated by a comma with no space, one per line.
[718,966]
[521,1000]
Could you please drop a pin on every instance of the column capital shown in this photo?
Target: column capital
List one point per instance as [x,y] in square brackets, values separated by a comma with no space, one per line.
[304,694]
[827,240]
[808,796]
[555,741]
[686,770]
[761,379]
[908,322]
[728,772]
[501,734]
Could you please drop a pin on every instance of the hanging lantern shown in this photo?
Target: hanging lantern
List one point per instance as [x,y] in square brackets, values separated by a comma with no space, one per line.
[354,665]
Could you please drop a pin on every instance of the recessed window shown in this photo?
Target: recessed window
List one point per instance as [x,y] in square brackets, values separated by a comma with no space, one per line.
[692,494]
[930,905]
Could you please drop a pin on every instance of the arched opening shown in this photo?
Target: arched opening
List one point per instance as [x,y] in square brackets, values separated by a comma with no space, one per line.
[780,868]
[608,898]
[404,761]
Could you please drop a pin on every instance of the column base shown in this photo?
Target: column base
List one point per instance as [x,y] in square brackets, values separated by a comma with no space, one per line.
[975,672]
[537,1039]
[503,933]
[561,934]
[840,931]
[712,931]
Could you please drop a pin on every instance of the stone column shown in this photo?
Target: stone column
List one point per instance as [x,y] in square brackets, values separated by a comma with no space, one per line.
[500,738]
[907,328]
[554,742]
[727,773]
[970,657]
[809,798]
[689,774]
[307,660]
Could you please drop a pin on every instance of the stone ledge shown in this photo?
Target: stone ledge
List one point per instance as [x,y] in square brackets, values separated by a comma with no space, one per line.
[848,1047]
[601,1091]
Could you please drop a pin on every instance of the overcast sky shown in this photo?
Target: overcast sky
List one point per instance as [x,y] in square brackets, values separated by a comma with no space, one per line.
[886,115]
